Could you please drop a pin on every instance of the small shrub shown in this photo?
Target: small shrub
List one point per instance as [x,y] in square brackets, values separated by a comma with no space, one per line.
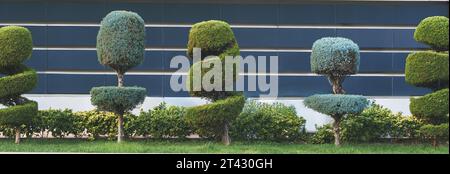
[432,108]
[101,123]
[268,122]
[435,132]
[117,99]
[61,122]
[323,135]
[433,31]
[163,122]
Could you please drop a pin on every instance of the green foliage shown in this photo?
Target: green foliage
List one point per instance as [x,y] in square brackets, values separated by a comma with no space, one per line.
[427,69]
[435,131]
[16,116]
[335,56]
[208,120]
[336,105]
[433,31]
[100,123]
[61,122]
[213,37]
[121,40]
[268,122]
[16,45]
[21,80]
[323,135]
[163,122]
[117,99]
[432,108]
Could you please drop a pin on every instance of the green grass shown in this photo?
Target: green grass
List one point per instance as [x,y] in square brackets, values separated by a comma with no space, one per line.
[201,146]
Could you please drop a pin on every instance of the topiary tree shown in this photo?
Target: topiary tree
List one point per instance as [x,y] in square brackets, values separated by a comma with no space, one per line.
[336,58]
[216,41]
[15,47]
[121,46]
[430,69]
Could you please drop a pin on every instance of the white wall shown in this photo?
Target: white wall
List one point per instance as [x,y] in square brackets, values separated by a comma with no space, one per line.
[82,102]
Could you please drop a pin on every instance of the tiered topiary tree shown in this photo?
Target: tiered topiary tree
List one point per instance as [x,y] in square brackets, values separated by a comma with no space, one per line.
[15,47]
[336,58]
[121,46]
[216,41]
[430,69]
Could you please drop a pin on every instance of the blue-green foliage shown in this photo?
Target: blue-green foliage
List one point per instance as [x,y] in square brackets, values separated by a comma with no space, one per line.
[337,104]
[335,55]
[121,40]
[117,99]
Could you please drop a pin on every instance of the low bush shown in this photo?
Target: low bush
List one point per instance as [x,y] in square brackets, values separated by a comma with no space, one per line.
[432,108]
[101,123]
[435,132]
[323,135]
[60,122]
[268,122]
[162,122]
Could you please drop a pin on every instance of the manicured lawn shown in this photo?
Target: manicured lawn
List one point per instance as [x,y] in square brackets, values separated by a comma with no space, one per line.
[200,146]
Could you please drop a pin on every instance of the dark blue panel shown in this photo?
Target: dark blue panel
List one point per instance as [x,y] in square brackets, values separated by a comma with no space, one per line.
[38,60]
[301,38]
[154,37]
[294,62]
[169,55]
[153,61]
[259,57]
[369,38]
[39,35]
[151,13]
[72,36]
[251,38]
[92,12]
[368,86]
[175,37]
[306,14]
[302,86]
[152,83]
[73,60]
[399,62]
[401,88]
[250,14]
[22,11]
[376,62]
[365,14]
[168,92]
[41,87]
[405,39]
[413,13]
[190,13]
[73,84]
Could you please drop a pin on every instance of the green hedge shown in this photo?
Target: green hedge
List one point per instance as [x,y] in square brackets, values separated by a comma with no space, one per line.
[433,31]
[208,120]
[427,69]
[16,45]
[268,122]
[432,108]
[16,116]
[117,99]
[100,123]
[121,40]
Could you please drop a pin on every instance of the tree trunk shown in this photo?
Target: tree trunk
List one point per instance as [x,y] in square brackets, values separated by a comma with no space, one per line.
[17,136]
[226,137]
[120,128]
[337,131]
[434,139]
[120,76]
[336,82]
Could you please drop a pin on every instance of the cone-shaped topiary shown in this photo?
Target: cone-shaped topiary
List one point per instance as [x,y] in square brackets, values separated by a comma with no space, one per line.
[15,47]
[121,46]
[430,69]
[335,57]
[207,78]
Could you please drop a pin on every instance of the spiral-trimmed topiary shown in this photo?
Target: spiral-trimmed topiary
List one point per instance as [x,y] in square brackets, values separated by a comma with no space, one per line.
[15,47]
[430,69]
[121,46]
[217,42]
[335,57]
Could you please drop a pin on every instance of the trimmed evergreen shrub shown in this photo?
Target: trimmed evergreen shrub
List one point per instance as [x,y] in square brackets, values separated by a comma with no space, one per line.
[121,46]
[427,69]
[15,47]
[337,105]
[100,123]
[323,135]
[435,132]
[268,122]
[433,31]
[61,123]
[432,108]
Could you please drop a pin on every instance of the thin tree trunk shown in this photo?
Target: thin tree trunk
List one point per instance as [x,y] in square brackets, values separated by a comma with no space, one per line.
[337,131]
[17,135]
[434,139]
[336,82]
[120,79]
[120,128]
[226,137]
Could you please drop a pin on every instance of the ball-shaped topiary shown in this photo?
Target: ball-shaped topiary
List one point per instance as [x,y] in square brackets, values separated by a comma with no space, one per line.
[433,31]
[217,43]
[120,45]
[15,47]
[121,40]
[335,57]
[337,106]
